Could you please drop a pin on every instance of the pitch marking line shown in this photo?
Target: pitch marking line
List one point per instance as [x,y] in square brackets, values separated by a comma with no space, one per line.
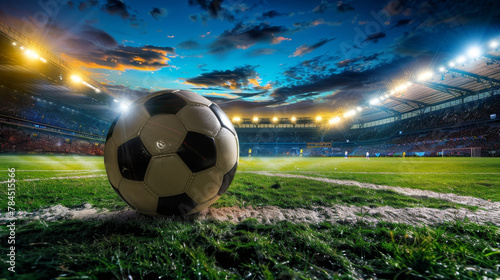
[61,170]
[57,178]
[460,199]
[273,214]
[379,173]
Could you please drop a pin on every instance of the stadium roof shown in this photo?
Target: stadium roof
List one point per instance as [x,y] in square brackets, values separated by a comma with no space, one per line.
[475,75]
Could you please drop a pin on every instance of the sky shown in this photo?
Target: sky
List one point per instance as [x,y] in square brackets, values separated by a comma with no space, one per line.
[256,57]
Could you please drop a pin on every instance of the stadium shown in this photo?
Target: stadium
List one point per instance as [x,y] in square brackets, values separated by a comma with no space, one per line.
[382,164]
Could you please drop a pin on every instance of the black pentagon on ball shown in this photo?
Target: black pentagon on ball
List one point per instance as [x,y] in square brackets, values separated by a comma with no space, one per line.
[222,117]
[133,159]
[180,204]
[198,151]
[167,103]
[227,179]
[112,128]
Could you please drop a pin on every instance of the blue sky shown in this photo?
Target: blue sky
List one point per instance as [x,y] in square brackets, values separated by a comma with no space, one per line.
[256,57]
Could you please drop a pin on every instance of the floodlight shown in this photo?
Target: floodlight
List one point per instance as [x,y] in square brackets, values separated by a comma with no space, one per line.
[441,69]
[255,119]
[392,92]
[275,119]
[374,101]
[461,59]
[334,120]
[293,119]
[474,52]
[236,119]
[409,83]
[124,106]
[493,44]
[386,96]
[76,78]
[31,54]
[359,109]
[350,113]
[14,43]
[319,118]
[21,47]
[425,76]
[97,90]
[451,64]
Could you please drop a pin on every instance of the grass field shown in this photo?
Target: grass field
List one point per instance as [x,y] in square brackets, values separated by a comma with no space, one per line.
[147,248]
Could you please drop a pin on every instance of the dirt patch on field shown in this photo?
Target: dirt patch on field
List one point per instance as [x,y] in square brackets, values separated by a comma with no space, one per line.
[460,199]
[272,214]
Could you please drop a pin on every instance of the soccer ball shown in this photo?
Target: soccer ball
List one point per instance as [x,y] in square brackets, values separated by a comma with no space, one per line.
[172,153]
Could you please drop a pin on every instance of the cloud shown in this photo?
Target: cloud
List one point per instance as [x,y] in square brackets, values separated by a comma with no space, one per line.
[270,14]
[322,7]
[262,51]
[344,7]
[158,13]
[244,77]
[95,48]
[214,9]
[188,45]
[403,22]
[350,86]
[375,37]
[358,60]
[85,4]
[244,36]
[302,25]
[305,49]
[116,7]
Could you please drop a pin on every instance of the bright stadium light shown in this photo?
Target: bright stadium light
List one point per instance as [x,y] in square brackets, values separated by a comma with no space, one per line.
[236,119]
[31,54]
[76,78]
[255,119]
[441,69]
[409,83]
[474,52]
[374,101]
[275,119]
[461,59]
[293,119]
[392,92]
[493,44]
[334,120]
[350,113]
[319,118]
[425,76]
[359,109]
[14,43]
[124,106]
[451,64]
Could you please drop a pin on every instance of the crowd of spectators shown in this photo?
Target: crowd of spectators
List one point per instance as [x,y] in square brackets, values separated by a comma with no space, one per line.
[34,109]
[15,139]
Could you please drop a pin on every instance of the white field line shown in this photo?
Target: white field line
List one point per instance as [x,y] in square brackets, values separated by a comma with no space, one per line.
[57,178]
[272,214]
[460,199]
[61,170]
[379,173]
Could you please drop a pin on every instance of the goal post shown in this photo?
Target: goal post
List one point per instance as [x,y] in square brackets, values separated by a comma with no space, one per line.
[462,152]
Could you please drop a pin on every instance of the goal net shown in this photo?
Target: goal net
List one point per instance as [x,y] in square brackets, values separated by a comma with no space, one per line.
[462,152]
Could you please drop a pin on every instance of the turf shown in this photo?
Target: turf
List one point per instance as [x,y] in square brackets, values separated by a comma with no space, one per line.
[148,248]
[180,249]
